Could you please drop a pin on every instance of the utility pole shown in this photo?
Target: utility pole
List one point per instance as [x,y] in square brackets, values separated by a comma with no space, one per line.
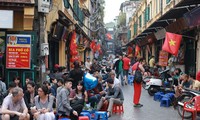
[41,41]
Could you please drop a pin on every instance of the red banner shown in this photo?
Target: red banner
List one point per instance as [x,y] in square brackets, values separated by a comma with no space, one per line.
[18,57]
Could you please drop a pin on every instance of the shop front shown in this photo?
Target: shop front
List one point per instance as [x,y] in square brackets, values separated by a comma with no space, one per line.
[18,41]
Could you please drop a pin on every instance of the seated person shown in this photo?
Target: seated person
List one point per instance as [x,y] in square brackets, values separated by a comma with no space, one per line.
[78,95]
[184,82]
[114,96]
[63,102]
[96,93]
[195,83]
[176,76]
[30,95]
[51,91]
[14,107]
[43,109]
[116,81]
[60,85]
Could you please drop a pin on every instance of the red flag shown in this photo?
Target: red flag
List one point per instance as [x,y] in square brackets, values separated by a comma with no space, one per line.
[109,36]
[172,43]
[137,50]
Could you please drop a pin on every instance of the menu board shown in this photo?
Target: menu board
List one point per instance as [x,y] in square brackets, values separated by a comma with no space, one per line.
[18,51]
[163,58]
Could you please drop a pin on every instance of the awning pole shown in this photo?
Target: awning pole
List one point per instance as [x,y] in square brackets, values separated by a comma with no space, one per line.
[189,37]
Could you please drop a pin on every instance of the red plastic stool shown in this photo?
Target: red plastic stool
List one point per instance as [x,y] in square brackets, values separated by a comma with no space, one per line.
[118,108]
[83,118]
[60,117]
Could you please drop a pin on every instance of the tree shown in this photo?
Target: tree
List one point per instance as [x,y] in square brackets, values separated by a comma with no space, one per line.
[122,19]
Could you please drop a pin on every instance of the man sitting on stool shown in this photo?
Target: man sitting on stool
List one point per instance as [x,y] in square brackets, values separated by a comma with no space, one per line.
[114,96]
[14,107]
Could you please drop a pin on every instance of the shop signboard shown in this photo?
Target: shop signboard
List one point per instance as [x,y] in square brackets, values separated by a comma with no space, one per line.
[18,51]
[163,58]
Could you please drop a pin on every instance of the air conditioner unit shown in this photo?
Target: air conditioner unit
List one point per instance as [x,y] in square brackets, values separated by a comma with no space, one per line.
[43,6]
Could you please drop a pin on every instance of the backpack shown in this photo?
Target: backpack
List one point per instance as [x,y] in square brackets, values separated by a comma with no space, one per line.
[138,76]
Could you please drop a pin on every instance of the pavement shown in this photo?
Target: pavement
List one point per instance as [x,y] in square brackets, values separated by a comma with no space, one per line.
[150,111]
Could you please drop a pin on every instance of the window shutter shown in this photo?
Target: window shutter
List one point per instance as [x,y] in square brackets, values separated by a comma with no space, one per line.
[66,4]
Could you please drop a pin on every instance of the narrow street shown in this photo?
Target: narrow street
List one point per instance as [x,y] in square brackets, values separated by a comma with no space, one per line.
[150,111]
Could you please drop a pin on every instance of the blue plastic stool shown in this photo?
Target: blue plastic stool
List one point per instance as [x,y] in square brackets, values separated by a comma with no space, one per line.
[64,119]
[101,115]
[157,96]
[171,95]
[86,114]
[130,79]
[165,102]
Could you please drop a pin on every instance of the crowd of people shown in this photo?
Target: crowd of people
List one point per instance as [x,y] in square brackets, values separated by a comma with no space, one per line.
[64,94]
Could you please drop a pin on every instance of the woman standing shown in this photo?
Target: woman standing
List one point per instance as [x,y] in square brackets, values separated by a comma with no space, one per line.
[138,86]
[43,109]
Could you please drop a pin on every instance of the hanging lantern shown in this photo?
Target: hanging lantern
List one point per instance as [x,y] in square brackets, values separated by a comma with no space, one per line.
[74,52]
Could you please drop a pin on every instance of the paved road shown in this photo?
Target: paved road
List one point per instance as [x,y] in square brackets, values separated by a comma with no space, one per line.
[150,111]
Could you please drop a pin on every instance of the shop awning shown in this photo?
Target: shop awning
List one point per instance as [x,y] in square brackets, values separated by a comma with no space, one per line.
[81,31]
[169,21]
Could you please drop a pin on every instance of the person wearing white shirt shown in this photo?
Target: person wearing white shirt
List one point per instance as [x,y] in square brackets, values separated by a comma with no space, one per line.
[88,64]
[116,81]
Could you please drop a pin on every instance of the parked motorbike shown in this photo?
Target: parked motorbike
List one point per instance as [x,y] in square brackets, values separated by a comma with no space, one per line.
[164,83]
[187,95]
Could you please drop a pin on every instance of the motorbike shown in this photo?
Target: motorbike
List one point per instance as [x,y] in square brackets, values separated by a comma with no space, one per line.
[154,85]
[187,95]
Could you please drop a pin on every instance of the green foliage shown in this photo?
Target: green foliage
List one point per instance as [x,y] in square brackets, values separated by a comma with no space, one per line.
[122,19]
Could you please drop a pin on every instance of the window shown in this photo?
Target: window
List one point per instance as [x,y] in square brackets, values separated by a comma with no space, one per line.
[66,4]
[168,1]
[135,28]
[140,21]
[147,14]
[150,11]
[144,18]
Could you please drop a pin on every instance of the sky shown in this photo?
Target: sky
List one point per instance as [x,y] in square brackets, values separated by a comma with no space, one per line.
[112,9]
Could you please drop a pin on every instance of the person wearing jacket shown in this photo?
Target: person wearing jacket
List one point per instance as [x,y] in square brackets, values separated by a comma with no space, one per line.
[63,102]
[114,96]
[118,67]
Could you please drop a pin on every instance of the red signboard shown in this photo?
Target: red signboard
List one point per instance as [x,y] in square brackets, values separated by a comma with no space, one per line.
[18,52]
[163,58]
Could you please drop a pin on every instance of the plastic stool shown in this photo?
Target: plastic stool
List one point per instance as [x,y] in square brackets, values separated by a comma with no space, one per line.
[64,119]
[86,114]
[157,96]
[101,115]
[118,108]
[165,102]
[171,95]
[83,118]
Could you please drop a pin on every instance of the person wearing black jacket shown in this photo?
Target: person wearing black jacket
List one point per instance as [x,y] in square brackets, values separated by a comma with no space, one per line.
[118,67]
[29,95]
[76,74]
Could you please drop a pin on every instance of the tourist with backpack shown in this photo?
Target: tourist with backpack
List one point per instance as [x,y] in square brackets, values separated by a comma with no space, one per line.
[138,71]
